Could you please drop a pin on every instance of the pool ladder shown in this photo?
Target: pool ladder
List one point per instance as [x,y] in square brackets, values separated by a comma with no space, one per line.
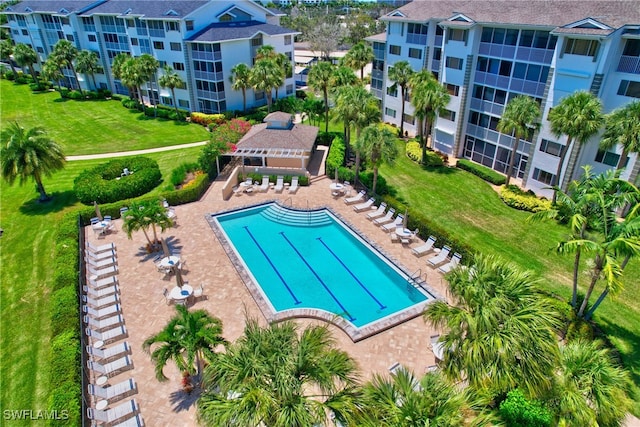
[416,280]
[283,212]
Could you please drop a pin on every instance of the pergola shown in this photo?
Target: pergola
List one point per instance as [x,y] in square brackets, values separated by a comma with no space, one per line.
[264,153]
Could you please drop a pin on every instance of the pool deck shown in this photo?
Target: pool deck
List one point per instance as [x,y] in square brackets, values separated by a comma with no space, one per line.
[146,312]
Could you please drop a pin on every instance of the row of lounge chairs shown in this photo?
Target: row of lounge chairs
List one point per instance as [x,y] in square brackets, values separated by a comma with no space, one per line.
[104,326]
[439,258]
[249,187]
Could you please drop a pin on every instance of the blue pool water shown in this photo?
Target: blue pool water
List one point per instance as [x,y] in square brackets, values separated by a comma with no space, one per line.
[311,260]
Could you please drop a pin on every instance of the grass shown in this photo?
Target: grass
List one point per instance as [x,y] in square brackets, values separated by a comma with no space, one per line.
[91,127]
[473,213]
[26,253]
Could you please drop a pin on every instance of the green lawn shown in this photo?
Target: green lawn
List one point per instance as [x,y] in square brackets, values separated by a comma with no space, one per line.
[26,253]
[473,213]
[91,127]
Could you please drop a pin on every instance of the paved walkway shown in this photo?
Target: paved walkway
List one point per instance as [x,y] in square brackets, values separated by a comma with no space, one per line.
[134,152]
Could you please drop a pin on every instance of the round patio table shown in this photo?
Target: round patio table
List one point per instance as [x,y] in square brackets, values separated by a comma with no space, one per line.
[170,261]
[179,294]
[102,405]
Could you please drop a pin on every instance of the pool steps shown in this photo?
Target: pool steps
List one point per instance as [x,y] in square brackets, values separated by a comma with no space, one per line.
[287,216]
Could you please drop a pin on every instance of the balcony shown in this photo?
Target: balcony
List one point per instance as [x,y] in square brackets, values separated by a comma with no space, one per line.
[629,64]
[205,75]
[497,50]
[206,56]
[420,39]
[214,96]
[486,106]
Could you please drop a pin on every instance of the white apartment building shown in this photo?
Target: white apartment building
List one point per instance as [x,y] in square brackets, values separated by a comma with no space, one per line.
[202,40]
[487,52]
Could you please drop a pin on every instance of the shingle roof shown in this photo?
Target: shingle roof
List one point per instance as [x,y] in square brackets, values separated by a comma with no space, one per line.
[237,30]
[279,116]
[382,37]
[148,8]
[299,137]
[50,6]
[546,13]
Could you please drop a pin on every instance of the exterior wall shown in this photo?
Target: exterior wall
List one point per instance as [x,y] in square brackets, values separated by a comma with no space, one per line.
[273,162]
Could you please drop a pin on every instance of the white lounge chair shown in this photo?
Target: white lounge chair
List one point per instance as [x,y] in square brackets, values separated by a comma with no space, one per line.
[103,324]
[424,248]
[110,417]
[102,263]
[111,369]
[114,393]
[102,272]
[294,185]
[102,302]
[110,353]
[387,218]
[441,257]
[100,248]
[97,256]
[107,337]
[409,239]
[455,260]
[355,199]
[101,293]
[396,223]
[102,283]
[101,313]
[265,184]
[279,184]
[135,421]
[364,206]
[378,212]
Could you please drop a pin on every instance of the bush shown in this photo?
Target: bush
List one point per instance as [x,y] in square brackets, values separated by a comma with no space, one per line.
[179,174]
[433,159]
[382,188]
[482,171]
[39,87]
[64,92]
[131,104]
[22,80]
[326,138]
[514,197]
[75,94]
[335,157]
[64,309]
[413,150]
[207,119]
[102,184]
[9,75]
[516,410]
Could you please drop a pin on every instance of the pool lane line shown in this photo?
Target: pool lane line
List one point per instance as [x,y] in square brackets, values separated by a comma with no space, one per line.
[326,288]
[273,266]
[382,306]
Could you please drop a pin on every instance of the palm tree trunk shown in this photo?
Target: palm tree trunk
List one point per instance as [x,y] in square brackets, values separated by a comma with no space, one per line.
[362,73]
[175,102]
[73,69]
[43,194]
[595,306]
[576,267]
[556,179]
[571,166]
[597,269]
[375,179]
[146,235]
[357,174]
[33,74]
[623,159]
[244,100]
[512,161]
[93,79]
[326,110]
[402,112]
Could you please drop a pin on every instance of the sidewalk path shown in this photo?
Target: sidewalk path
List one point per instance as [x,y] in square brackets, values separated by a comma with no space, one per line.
[135,152]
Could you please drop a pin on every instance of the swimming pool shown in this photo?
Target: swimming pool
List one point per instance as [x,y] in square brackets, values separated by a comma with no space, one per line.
[310,260]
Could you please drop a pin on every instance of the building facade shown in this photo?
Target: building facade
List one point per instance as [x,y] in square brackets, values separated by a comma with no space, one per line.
[201,40]
[487,52]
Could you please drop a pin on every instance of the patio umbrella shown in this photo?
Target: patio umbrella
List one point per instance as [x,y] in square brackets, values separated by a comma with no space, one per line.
[165,247]
[98,213]
[404,219]
[336,175]
[179,280]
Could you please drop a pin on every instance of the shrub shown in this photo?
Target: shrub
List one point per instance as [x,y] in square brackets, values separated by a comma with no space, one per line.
[9,75]
[64,92]
[207,119]
[326,138]
[382,188]
[64,309]
[179,174]
[131,104]
[413,150]
[516,410]
[21,80]
[335,157]
[433,159]
[39,87]
[514,197]
[102,184]
[74,94]
[482,171]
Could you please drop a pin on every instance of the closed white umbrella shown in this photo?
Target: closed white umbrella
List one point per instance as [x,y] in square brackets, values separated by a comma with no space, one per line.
[98,213]
[404,219]
[165,247]
[336,175]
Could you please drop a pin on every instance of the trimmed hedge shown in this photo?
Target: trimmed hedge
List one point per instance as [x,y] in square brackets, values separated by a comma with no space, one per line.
[103,184]
[483,172]
[514,197]
[413,150]
[207,119]
[335,158]
[303,180]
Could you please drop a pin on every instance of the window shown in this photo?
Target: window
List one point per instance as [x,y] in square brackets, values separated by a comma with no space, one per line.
[289,89]
[543,176]
[156,28]
[92,37]
[390,112]
[408,118]
[183,103]
[39,49]
[178,66]
[134,42]
[632,48]
[530,72]
[551,147]
[453,90]
[483,120]
[417,29]
[392,91]
[415,53]
[494,66]
[189,25]
[287,40]
[537,39]
[394,50]
[25,33]
[447,115]
[581,47]
[175,46]
[629,88]
[439,31]
[15,32]
[172,26]
[158,45]
[457,35]
[500,36]
[607,157]
[453,62]
[437,54]
[166,100]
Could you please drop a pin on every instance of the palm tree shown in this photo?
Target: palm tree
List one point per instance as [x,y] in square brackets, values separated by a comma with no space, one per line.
[240,80]
[188,338]
[428,98]
[66,53]
[358,57]
[87,62]
[342,76]
[622,127]
[400,74]
[51,71]
[320,79]
[25,56]
[6,50]
[496,321]
[518,120]
[279,376]
[379,144]
[402,400]
[29,154]
[590,389]
[266,75]
[145,215]
[148,67]
[172,80]
[131,77]
[579,116]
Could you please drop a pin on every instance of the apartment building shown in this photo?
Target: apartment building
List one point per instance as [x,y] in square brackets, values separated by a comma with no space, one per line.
[487,52]
[202,40]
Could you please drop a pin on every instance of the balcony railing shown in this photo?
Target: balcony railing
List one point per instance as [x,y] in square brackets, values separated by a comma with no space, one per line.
[214,96]
[629,64]
[205,75]
[207,56]
[420,39]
